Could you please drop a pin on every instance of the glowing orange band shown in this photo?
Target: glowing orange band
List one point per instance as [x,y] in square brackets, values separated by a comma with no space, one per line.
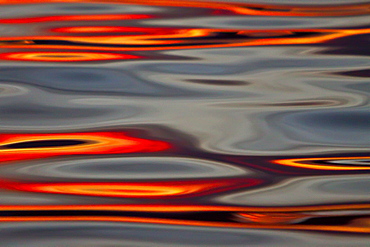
[301,163]
[96,143]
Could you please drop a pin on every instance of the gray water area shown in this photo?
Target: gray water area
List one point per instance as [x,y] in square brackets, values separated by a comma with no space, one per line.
[184,123]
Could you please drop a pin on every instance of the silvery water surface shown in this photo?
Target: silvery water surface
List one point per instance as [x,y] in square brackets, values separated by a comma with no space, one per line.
[184,123]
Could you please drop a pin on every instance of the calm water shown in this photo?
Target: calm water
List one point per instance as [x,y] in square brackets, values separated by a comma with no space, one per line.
[184,123]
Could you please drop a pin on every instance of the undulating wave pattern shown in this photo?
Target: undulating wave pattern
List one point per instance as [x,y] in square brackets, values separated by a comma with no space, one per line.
[184,123]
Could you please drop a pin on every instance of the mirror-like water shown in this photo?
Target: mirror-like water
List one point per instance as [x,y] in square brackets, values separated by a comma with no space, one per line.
[184,123]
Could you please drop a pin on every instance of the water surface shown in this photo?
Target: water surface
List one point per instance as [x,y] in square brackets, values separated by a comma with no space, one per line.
[184,123]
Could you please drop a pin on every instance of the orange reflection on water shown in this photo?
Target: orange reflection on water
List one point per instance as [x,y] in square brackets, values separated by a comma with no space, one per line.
[247,217]
[93,143]
[64,56]
[236,8]
[300,10]
[116,29]
[132,189]
[168,39]
[272,218]
[178,208]
[309,163]
[349,228]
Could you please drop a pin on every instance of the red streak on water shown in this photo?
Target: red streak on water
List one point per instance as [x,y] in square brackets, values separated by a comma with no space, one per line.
[178,208]
[174,39]
[235,8]
[357,226]
[147,189]
[96,143]
[64,56]
[309,163]
[115,29]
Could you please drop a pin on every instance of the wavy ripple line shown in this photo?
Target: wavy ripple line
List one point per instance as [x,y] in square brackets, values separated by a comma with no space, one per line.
[181,39]
[239,8]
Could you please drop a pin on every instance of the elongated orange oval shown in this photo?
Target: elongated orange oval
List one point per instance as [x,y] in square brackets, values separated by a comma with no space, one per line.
[311,163]
[143,190]
[93,143]
[64,56]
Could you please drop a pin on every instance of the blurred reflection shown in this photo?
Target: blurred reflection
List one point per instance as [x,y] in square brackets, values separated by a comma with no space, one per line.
[184,123]
[15,147]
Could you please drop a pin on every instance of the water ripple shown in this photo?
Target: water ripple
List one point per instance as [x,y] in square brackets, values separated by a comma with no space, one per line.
[184,123]
[127,168]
